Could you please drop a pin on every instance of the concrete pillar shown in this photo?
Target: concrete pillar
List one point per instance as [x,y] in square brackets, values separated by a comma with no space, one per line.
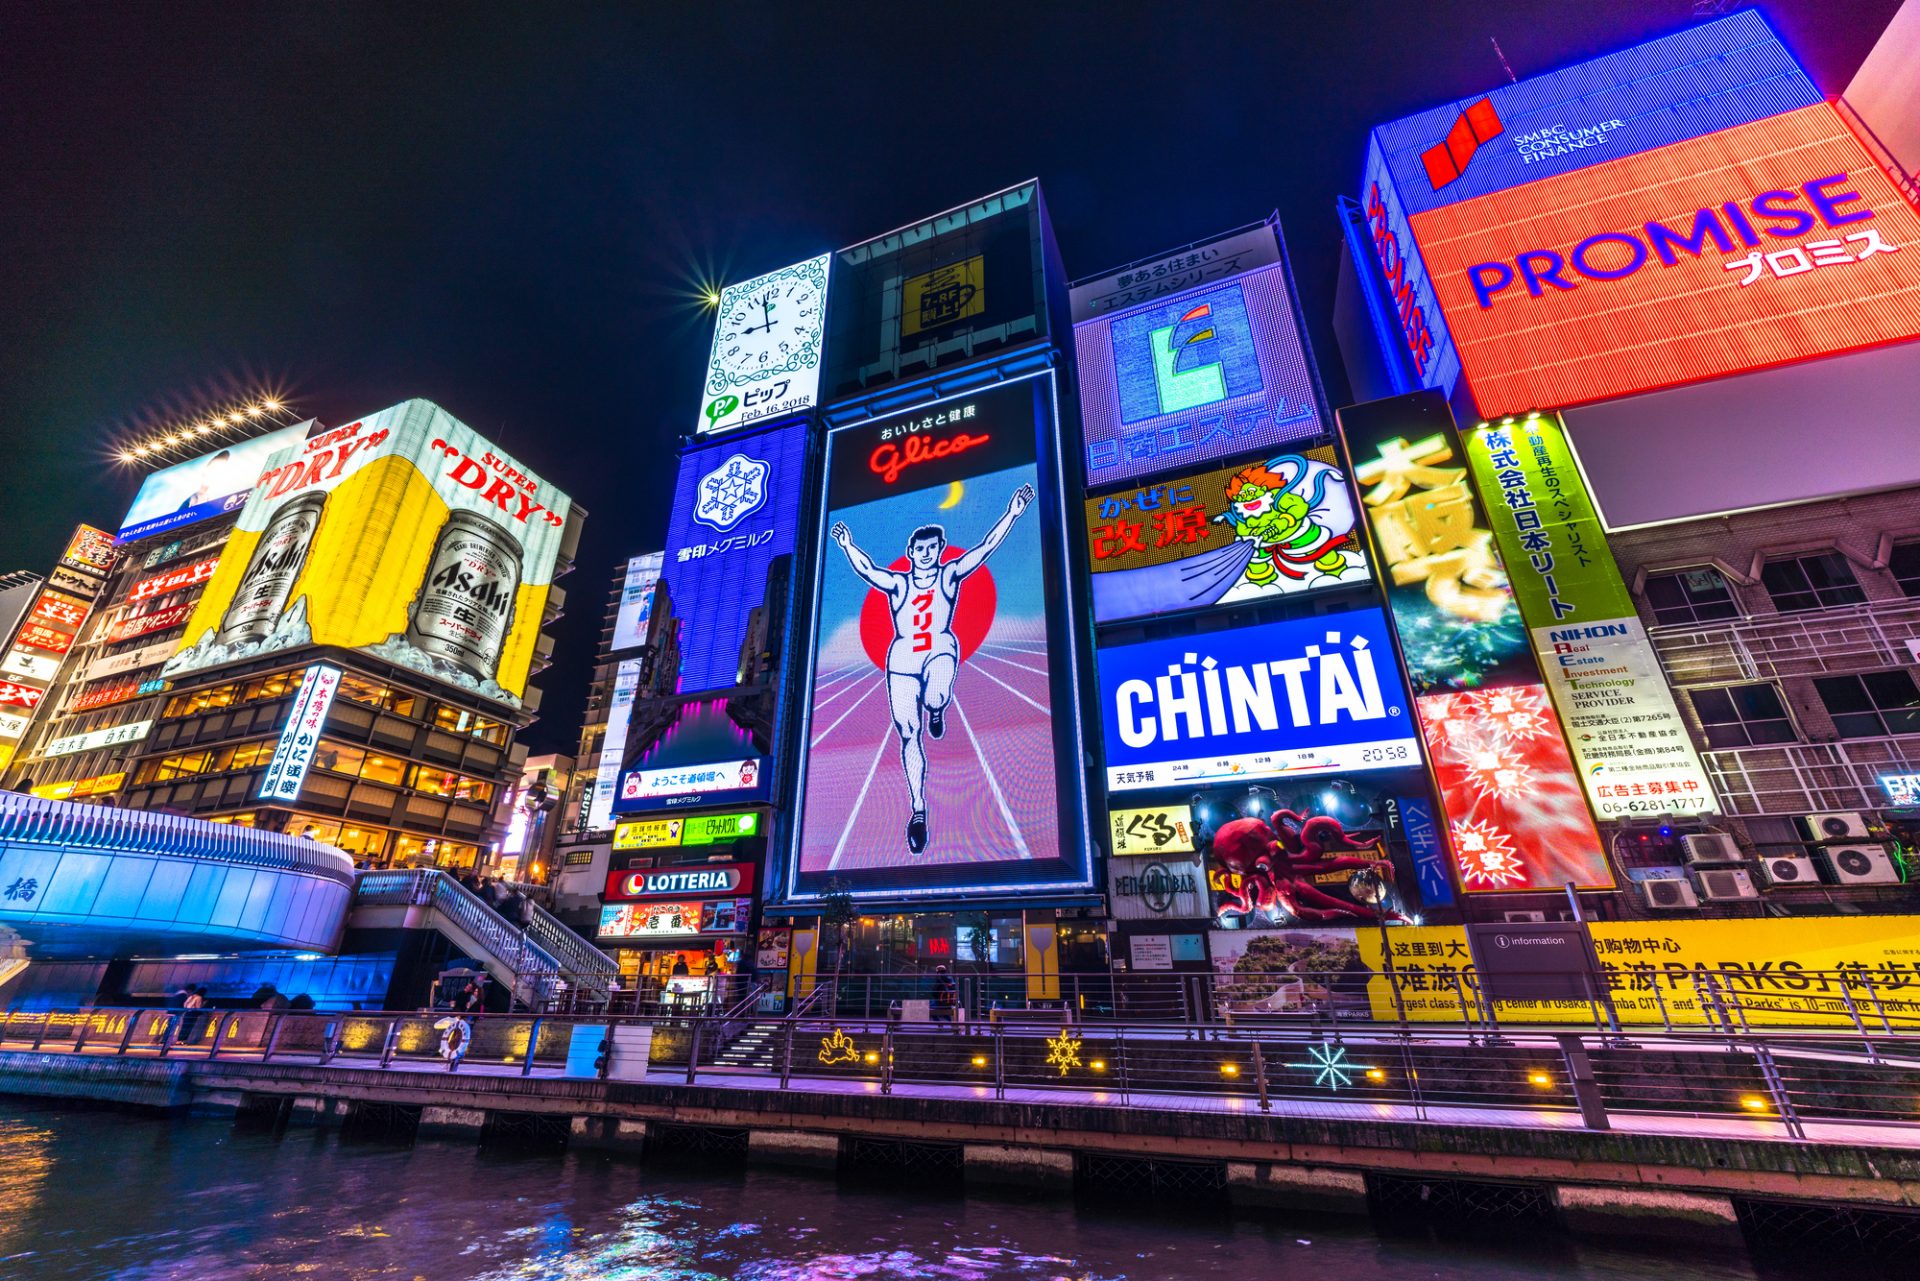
[464,1121]
[1038,1168]
[225,1100]
[793,1147]
[1660,1213]
[1271,1186]
[311,1110]
[608,1132]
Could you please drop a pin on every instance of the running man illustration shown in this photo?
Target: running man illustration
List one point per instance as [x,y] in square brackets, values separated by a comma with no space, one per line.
[924,655]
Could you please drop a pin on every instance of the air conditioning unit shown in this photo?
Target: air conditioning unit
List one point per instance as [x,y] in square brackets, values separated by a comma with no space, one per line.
[1725,884]
[1666,893]
[1861,865]
[1788,871]
[1526,918]
[1836,827]
[1710,847]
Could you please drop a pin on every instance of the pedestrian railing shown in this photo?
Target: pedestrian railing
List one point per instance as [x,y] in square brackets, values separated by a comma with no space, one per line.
[1787,1085]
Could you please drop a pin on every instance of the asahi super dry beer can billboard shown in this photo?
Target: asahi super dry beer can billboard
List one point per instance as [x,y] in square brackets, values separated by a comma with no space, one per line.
[406,534]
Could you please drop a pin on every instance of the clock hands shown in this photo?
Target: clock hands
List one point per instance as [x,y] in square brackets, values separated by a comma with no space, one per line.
[766,314]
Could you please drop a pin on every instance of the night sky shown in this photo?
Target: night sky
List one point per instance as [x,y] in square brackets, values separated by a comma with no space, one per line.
[508,209]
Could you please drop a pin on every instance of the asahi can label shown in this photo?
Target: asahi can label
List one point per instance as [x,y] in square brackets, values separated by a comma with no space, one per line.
[268,581]
[466,604]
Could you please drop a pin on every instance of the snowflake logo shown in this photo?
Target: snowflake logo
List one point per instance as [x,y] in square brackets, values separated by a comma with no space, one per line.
[1063,1051]
[731,492]
[1486,854]
[1331,1068]
[838,1048]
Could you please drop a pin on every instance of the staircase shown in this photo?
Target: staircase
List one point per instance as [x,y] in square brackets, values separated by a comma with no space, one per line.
[753,1050]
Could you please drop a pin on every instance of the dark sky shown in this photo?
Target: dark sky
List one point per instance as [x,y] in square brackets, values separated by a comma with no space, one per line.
[505,209]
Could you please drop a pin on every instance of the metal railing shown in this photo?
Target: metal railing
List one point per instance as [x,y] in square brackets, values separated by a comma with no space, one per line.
[1727,1082]
[36,820]
[1810,778]
[1817,642]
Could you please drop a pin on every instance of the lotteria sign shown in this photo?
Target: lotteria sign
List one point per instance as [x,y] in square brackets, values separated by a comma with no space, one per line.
[1763,244]
[1308,696]
[708,879]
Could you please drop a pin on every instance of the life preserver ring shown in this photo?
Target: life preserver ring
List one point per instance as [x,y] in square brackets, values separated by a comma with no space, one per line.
[455,1036]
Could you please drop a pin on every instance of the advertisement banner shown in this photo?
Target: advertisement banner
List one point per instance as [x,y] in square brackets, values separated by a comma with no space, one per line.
[1167,829]
[1517,816]
[1630,747]
[33,667]
[736,506]
[701,881]
[14,694]
[105,694]
[153,621]
[636,601]
[84,586]
[935,762]
[293,754]
[1233,536]
[406,534]
[719,829]
[113,665]
[172,580]
[665,920]
[213,484]
[698,756]
[1408,285]
[89,551]
[613,745]
[1760,245]
[112,736]
[61,611]
[1157,889]
[767,339]
[1218,370]
[40,636]
[1782,970]
[1202,263]
[1326,851]
[646,834]
[1306,696]
[945,291]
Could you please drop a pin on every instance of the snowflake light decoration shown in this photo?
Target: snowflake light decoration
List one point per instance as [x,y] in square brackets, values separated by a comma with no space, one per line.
[1063,1051]
[1331,1068]
[1486,854]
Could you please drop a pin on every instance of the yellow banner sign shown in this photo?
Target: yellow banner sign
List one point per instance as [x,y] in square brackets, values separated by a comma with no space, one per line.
[1166,829]
[647,835]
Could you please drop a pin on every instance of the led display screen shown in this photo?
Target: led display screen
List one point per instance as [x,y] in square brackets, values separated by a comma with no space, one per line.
[90,551]
[937,758]
[1515,812]
[1233,536]
[767,339]
[613,745]
[699,756]
[664,920]
[1218,370]
[735,508]
[1630,747]
[1709,77]
[1760,245]
[406,534]
[1408,289]
[636,601]
[1305,696]
[943,292]
[211,485]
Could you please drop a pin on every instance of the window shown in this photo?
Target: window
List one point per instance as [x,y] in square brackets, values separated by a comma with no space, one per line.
[1871,705]
[252,754]
[361,842]
[338,758]
[456,720]
[1690,596]
[275,686]
[439,782]
[1904,564]
[1742,716]
[199,701]
[1817,581]
[384,769]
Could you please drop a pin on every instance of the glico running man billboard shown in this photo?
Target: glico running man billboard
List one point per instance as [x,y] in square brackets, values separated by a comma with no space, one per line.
[1306,696]
[405,534]
[1218,370]
[941,734]
[735,508]
[1253,532]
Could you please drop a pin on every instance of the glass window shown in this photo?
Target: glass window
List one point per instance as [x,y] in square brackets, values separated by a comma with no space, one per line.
[1872,704]
[401,703]
[456,720]
[362,690]
[1821,580]
[1904,564]
[184,765]
[439,782]
[361,842]
[384,769]
[338,758]
[1742,716]
[249,819]
[1690,596]
[251,754]
[201,700]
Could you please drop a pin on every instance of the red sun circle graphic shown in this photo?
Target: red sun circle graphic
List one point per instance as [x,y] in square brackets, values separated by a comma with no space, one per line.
[973,611]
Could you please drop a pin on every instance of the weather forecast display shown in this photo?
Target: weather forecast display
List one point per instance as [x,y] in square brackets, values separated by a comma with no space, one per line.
[1276,527]
[932,732]
[1217,370]
[734,510]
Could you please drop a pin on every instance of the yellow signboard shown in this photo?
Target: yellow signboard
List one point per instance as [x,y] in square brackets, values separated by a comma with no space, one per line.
[647,835]
[1163,829]
[1775,970]
[944,295]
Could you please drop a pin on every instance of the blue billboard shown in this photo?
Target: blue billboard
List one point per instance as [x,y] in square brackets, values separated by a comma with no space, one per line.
[1413,307]
[214,484]
[1220,369]
[1698,81]
[735,508]
[699,756]
[1300,697]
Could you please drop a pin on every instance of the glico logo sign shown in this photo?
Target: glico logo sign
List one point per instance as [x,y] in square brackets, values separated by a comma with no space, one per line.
[1192,351]
[1611,255]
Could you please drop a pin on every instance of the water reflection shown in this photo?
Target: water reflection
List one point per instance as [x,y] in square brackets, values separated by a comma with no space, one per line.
[95,1194]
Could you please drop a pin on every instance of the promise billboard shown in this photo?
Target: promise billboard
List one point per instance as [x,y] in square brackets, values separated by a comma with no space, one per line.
[405,534]
[1760,245]
[941,736]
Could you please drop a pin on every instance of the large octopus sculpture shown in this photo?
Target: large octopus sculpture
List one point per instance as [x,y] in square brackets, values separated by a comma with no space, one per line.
[1270,866]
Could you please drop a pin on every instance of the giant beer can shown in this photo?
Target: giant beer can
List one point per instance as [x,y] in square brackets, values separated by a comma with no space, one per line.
[465,606]
[267,584]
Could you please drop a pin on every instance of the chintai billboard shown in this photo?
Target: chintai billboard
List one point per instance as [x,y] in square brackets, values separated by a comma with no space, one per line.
[941,734]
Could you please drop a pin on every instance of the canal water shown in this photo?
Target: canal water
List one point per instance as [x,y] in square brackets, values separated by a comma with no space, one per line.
[97,1194]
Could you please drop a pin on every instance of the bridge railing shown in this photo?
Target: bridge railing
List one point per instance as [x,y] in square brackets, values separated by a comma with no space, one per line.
[37,820]
[1795,1086]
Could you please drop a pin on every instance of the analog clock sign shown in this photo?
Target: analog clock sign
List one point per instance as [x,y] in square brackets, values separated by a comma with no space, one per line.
[766,348]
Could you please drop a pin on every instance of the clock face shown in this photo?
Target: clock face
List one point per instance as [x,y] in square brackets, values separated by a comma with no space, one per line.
[767,326]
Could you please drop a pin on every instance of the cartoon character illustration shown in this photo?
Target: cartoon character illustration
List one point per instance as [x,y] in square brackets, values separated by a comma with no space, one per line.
[1298,516]
[1270,867]
[923,658]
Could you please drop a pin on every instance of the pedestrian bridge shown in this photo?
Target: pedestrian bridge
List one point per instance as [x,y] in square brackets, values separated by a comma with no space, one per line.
[86,880]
